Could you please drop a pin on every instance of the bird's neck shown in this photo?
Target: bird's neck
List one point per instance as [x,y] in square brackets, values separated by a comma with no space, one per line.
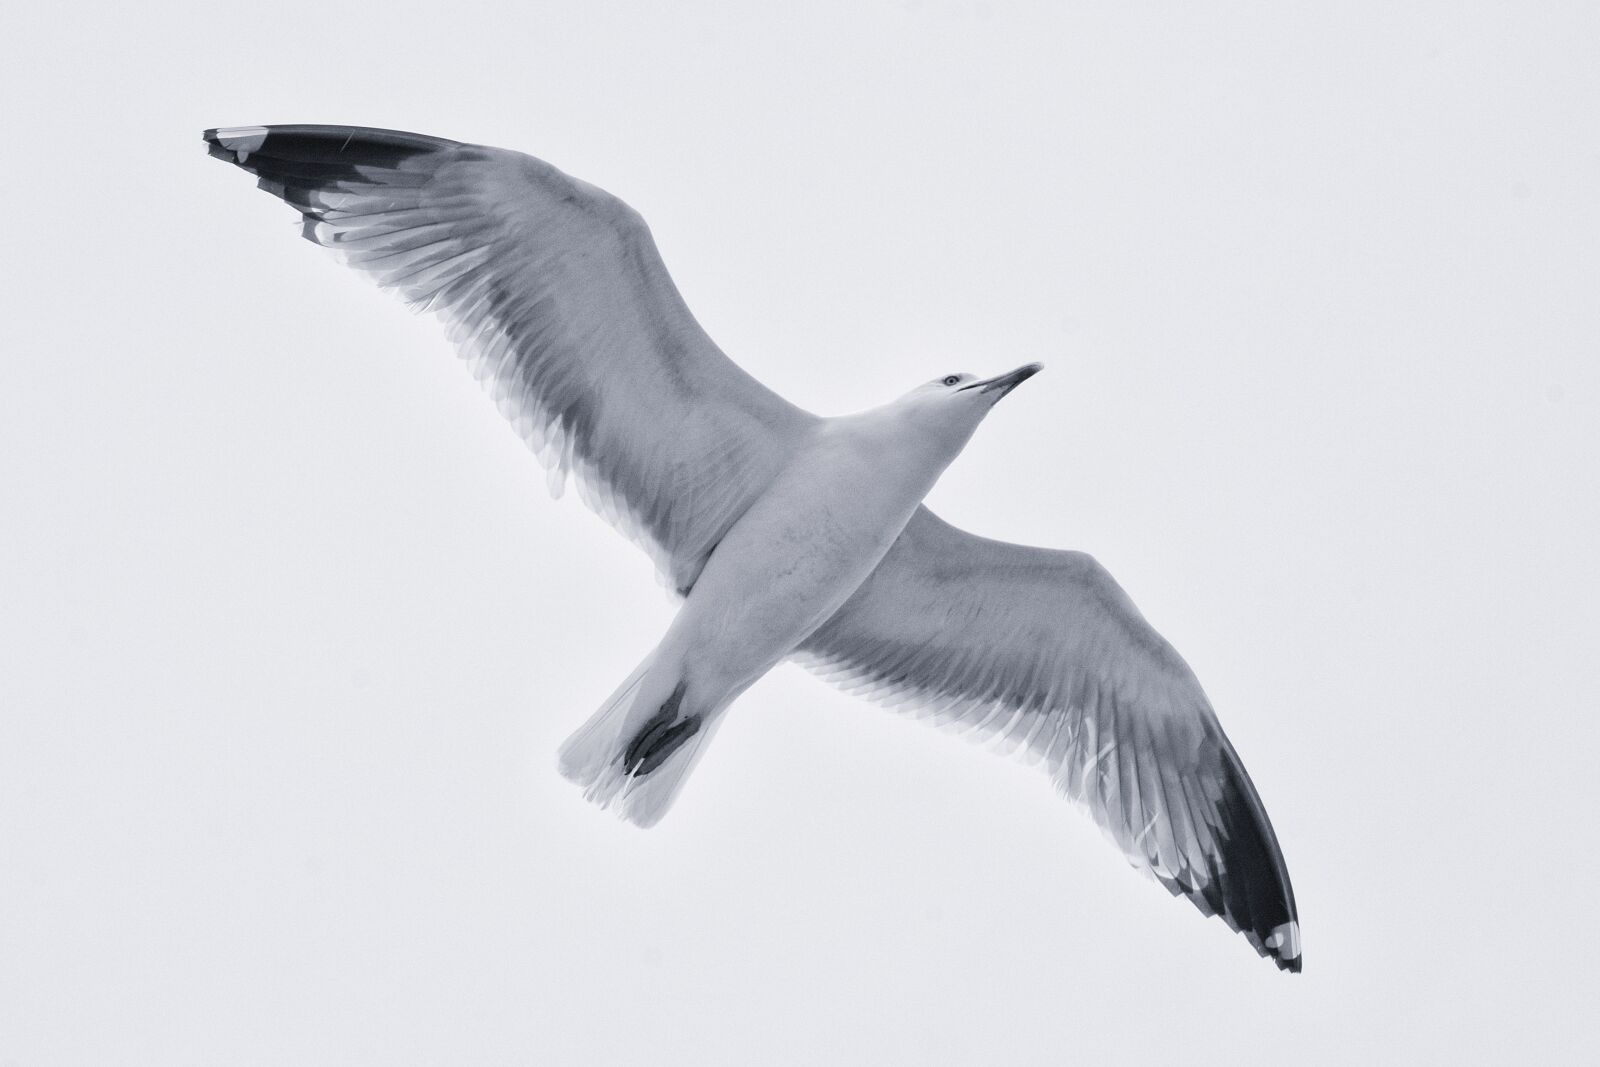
[887,446]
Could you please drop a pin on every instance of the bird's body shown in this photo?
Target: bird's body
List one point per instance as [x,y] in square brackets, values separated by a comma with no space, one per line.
[829,516]
[785,566]
[788,535]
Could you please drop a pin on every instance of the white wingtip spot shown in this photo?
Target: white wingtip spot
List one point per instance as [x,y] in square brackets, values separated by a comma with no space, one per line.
[1284,941]
[242,138]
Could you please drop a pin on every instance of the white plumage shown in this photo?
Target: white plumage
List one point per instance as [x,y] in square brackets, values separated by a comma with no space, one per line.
[788,535]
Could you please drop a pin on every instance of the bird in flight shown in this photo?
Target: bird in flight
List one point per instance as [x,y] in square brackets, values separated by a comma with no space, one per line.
[787,535]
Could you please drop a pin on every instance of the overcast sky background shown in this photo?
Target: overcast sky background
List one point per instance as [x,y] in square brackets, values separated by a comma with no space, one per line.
[292,631]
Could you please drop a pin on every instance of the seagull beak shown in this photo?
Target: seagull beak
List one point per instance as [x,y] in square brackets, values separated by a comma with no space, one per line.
[1002,384]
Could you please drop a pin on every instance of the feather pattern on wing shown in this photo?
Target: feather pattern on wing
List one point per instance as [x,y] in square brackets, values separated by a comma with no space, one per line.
[1040,650]
[555,295]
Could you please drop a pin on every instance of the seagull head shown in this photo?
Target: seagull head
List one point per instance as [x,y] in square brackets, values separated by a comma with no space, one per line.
[950,407]
[965,397]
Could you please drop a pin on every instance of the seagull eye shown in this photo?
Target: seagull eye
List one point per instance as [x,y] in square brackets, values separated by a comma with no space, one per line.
[951,379]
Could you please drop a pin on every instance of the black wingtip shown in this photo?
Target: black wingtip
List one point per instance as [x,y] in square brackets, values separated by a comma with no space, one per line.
[1247,885]
[1258,897]
[1281,945]
[297,162]
[303,143]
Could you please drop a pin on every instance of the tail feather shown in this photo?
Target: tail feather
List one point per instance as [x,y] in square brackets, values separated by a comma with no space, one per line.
[632,758]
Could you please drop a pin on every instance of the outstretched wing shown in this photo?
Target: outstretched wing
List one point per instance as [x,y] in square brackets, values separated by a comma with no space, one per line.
[554,292]
[1041,651]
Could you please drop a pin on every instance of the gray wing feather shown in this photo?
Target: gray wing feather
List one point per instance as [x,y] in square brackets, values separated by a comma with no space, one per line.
[555,294]
[1040,651]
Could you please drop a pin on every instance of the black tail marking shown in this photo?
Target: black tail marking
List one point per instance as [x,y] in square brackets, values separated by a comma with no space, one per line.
[663,735]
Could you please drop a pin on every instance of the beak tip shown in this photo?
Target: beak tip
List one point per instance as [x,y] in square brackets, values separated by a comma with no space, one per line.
[1007,382]
[1023,373]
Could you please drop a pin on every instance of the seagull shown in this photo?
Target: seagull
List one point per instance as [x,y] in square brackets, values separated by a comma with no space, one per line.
[787,536]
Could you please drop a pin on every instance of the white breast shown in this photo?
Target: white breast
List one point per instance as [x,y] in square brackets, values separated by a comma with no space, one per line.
[807,543]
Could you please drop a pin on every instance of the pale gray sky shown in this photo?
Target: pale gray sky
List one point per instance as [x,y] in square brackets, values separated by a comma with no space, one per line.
[292,630]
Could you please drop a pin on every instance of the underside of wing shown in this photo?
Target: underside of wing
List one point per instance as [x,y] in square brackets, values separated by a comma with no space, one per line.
[1040,652]
[554,293]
